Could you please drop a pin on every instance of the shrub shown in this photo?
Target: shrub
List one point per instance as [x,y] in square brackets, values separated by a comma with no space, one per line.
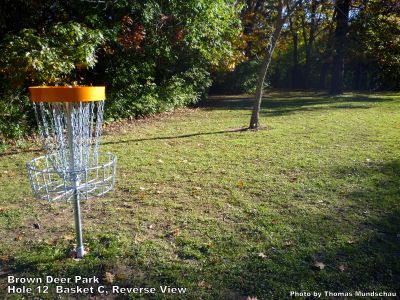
[16,116]
[242,80]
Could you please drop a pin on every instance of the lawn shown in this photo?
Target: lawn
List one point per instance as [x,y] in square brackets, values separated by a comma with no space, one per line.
[309,203]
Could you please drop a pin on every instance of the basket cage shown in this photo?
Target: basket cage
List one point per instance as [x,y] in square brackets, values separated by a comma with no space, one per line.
[70,133]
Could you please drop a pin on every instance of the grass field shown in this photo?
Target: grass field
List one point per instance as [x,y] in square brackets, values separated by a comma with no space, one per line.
[310,203]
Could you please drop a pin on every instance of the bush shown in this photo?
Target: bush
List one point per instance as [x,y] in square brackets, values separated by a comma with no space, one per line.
[134,92]
[16,114]
[242,80]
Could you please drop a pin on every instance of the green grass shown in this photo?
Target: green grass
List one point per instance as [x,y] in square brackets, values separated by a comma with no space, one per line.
[229,214]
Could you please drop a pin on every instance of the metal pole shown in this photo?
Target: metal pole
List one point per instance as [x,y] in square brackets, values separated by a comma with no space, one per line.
[80,251]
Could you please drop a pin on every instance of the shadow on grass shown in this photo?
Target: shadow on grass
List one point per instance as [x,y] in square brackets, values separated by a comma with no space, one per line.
[370,259]
[176,136]
[360,249]
[370,264]
[44,259]
[289,103]
[20,151]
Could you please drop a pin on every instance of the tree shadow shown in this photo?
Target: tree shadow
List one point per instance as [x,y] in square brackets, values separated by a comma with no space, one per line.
[285,103]
[365,265]
[177,136]
[370,262]
[20,151]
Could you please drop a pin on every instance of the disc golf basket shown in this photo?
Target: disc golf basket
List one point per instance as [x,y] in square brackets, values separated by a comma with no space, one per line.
[73,169]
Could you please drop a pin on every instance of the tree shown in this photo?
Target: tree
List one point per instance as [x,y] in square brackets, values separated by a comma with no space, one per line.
[342,21]
[295,38]
[374,46]
[283,11]
[51,57]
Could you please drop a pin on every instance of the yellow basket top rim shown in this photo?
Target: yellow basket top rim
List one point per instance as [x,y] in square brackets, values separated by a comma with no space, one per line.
[67,93]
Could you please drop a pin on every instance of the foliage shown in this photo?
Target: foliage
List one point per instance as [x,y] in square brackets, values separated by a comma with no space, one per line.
[16,119]
[304,55]
[213,27]
[375,47]
[257,18]
[162,54]
[152,55]
[49,57]
[242,80]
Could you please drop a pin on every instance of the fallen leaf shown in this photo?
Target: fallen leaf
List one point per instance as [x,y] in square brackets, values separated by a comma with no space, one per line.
[240,184]
[137,239]
[176,232]
[318,265]
[342,268]
[201,284]
[18,238]
[289,243]
[2,209]
[141,195]
[262,255]
[108,277]
[68,237]
[4,258]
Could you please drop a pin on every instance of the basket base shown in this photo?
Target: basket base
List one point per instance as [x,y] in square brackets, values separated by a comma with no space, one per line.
[56,185]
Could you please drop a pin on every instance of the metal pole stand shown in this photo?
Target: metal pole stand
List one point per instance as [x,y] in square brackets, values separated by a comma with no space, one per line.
[80,250]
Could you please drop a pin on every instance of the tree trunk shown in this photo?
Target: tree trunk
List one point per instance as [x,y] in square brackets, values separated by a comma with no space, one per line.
[295,79]
[295,70]
[322,77]
[309,42]
[254,121]
[342,19]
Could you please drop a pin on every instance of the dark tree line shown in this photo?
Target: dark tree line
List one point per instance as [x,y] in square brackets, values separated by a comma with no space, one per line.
[340,45]
[331,45]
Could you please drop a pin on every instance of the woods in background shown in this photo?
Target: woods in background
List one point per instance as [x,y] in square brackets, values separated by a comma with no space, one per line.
[325,44]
